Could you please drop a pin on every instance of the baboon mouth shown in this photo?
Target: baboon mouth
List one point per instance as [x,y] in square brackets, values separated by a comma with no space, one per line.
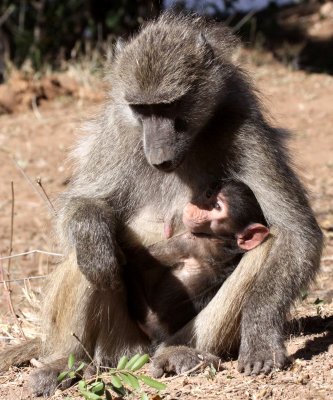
[168,166]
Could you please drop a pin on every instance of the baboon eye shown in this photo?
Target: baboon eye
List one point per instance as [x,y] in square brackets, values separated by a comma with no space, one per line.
[217,206]
[168,106]
[141,109]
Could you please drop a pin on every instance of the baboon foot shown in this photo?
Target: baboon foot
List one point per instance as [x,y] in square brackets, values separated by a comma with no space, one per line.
[263,361]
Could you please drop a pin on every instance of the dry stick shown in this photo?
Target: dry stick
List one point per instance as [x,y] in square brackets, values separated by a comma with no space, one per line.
[39,183]
[186,373]
[26,253]
[83,347]
[11,233]
[7,14]
[9,300]
[24,279]
[33,185]
[35,109]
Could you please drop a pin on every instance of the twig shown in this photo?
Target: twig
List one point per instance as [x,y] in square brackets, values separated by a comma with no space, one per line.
[7,14]
[32,184]
[35,109]
[10,303]
[11,234]
[39,183]
[243,21]
[26,253]
[83,347]
[198,366]
[25,279]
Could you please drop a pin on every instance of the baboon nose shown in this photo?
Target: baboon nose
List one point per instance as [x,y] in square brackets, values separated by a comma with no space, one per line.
[165,166]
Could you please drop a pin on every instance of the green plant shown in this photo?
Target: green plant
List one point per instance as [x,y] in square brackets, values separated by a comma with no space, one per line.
[121,380]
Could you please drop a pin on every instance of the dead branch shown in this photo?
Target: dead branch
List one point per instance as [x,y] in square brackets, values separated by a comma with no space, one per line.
[26,253]
[10,302]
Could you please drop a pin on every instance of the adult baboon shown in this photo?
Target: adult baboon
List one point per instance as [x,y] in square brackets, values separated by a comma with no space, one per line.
[180,116]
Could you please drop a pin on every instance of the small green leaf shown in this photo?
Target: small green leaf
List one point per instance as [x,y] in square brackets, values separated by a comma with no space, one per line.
[124,378]
[97,387]
[116,382]
[120,391]
[152,383]
[318,301]
[71,374]
[122,362]
[144,396]
[139,363]
[132,361]
[71,361]
[130,380]
[62,376]
[89,395]
[82,365]
[82,385]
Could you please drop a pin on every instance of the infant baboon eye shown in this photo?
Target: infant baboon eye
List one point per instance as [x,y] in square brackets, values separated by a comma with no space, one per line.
[209,193]
[217,206]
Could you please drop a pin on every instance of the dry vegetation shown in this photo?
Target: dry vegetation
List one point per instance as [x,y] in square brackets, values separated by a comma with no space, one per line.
[37,141]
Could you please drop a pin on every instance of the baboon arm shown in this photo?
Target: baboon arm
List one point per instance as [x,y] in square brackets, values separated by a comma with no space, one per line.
[294,257]
[88,227]
[287,264]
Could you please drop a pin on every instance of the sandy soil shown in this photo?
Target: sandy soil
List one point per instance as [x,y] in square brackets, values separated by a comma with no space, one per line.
[38,142]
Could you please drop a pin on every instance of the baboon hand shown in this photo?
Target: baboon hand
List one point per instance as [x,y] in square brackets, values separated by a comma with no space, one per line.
[100,261]
[179,359]
[44,380]
[261,359]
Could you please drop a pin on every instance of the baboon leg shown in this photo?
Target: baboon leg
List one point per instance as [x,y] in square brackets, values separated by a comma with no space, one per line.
[118,333]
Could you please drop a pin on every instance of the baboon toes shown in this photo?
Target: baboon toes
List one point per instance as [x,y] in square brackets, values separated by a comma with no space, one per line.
[262,362]
[179,359]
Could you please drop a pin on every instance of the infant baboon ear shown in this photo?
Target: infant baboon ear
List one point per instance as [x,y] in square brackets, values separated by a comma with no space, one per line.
[252,236]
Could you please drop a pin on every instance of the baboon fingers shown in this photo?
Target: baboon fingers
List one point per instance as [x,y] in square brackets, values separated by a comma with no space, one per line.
[179,359]
[257,367]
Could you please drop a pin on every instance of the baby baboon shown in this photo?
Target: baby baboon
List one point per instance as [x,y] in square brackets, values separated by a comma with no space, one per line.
[174,280]
[180,115]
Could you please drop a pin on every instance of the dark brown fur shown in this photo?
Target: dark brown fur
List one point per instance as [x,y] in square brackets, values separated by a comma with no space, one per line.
[180,115]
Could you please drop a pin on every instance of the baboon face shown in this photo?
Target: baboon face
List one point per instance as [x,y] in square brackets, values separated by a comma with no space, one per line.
[166,137]
[165,80]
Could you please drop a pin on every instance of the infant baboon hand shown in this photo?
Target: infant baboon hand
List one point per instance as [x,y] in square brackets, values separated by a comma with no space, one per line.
[262,359]
[179,359]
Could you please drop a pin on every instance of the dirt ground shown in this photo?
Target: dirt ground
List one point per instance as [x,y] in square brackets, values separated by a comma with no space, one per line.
[37,143]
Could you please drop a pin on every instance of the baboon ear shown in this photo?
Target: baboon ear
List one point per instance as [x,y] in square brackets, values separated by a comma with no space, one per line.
[119,46]
[203,42]
[252,236]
